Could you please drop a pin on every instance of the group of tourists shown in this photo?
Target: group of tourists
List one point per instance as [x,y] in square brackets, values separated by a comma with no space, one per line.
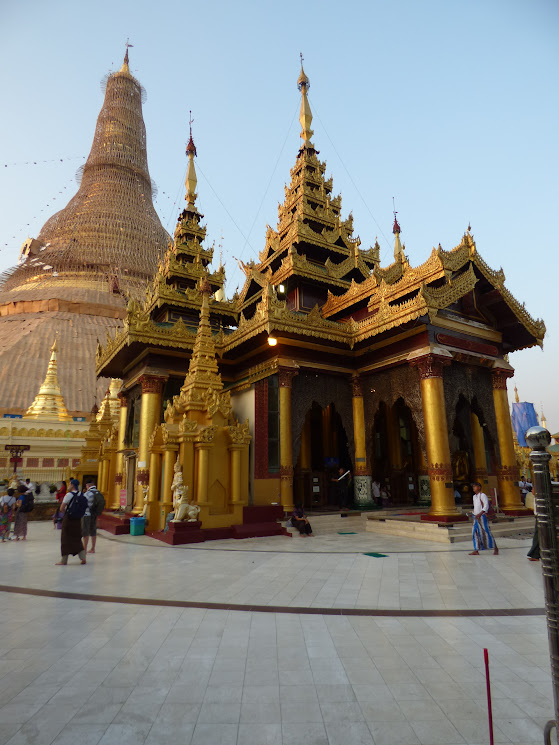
[15,507]
[78,512]
[76,516]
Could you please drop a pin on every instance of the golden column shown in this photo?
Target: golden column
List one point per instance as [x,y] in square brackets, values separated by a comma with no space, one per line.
[236,493]
[170,449]
[362,476]
[507,472]
[443,508]
[285,376]
[154,494]
[150,412]
[119,475]
[480,456]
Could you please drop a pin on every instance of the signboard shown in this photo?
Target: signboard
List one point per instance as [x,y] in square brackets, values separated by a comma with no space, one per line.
[123,498]
[21,448]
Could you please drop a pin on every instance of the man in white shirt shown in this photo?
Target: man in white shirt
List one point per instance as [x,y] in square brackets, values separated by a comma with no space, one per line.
[481,533]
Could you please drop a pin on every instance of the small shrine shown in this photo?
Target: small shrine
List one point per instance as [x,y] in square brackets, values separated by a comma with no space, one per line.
[55,438]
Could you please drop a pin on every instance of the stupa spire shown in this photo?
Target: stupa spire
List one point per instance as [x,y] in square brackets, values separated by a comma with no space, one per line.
[109,230]
[191,180]
[48,403]
[203,372]
[398,250]
[305,114]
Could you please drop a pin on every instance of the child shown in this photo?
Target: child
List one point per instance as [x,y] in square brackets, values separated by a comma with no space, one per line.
[6,508]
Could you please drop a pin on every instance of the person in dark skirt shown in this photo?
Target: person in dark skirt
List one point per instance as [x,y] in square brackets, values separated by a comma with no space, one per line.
[299,521]
[71,533]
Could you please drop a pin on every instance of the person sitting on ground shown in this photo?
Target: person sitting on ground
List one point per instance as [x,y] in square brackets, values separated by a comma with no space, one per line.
[299,521]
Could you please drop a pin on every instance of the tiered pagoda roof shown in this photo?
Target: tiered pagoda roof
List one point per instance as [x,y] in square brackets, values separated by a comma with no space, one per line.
[169,315]
[313,248]
[315,291]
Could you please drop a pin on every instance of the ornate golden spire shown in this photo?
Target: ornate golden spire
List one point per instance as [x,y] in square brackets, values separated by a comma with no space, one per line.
[191,179]
[516,398]
[305,115]
[398,250]
[48,403]
[203,373]
[125,67]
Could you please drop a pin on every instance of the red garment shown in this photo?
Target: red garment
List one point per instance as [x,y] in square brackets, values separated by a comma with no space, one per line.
[61,493]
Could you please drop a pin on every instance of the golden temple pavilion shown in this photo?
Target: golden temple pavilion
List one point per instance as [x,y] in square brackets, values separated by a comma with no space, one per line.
[72,281]
[325,359]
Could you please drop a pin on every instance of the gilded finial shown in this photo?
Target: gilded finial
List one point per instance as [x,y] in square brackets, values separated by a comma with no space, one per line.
[191,147]
[305,115]
[191,180]
[398,250]
[517,400]
[205,287]
[125,67]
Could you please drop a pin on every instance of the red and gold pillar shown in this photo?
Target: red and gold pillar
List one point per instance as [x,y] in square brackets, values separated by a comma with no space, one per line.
[507,473]
[443,508]
[362,475]
[286,446]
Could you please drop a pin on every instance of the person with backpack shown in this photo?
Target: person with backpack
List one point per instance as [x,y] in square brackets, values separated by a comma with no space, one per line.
[7,504]
[73,508]
[95,506]
[24,504]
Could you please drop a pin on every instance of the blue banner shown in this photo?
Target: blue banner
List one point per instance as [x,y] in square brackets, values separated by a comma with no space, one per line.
[523,417]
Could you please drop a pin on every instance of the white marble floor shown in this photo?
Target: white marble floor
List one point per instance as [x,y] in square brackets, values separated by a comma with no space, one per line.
[75,671]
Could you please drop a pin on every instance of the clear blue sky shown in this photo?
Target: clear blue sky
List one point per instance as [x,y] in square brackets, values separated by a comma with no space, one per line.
[449,106]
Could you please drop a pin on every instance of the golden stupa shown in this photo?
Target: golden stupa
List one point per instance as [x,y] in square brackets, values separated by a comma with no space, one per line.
[74,279]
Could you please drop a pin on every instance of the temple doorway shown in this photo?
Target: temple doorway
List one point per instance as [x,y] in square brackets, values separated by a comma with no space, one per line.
[472,448]
[396,457]
[324,450]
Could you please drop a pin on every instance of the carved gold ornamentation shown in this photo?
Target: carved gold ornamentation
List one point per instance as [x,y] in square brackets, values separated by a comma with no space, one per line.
[500,378]
[430,366]
[142,476]
[151,383]
[356,388]
[207,434]
[440,472]
[239,433]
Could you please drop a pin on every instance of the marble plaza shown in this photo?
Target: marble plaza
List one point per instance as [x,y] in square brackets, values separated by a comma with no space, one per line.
[354,649]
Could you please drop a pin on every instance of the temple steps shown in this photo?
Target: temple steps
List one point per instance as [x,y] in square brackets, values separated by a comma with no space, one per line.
[414,527]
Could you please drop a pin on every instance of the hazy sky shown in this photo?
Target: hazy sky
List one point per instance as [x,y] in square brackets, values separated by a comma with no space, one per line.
[449,106]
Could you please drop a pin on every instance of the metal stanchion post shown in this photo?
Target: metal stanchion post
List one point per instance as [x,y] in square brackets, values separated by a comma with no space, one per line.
[538,438]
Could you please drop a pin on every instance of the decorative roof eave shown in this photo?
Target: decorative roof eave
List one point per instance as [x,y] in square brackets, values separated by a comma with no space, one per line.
[193,249]
[148,333]
[298,265]
[535,327]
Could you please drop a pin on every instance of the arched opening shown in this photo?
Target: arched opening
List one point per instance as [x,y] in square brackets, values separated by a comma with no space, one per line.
[472,448]
[396,457]
[324,450]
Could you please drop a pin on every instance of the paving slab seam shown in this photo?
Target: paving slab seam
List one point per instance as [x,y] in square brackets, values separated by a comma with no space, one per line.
[294,610]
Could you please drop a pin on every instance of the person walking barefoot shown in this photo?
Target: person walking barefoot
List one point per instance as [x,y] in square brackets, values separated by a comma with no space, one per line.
[481,532]
[71,533]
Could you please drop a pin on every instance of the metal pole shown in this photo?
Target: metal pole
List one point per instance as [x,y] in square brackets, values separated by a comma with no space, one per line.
[538,438]
[489,705]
